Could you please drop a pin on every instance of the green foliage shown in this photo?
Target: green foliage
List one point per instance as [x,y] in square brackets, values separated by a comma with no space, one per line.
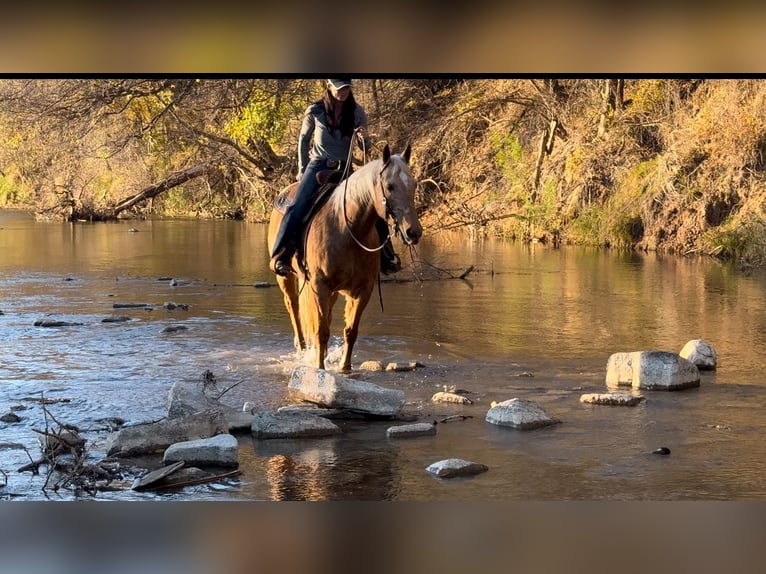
[741,239]
[9,192]
[265,117]
[509,155]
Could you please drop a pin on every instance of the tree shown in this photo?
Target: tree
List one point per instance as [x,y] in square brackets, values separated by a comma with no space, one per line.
[77,144]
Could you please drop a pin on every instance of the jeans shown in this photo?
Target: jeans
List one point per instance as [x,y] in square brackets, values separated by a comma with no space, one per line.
[292,222]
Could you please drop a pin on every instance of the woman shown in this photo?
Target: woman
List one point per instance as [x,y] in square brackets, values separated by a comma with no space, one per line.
[329,127]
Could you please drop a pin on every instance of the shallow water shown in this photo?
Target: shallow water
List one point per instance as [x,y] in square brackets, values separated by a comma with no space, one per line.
[529,321]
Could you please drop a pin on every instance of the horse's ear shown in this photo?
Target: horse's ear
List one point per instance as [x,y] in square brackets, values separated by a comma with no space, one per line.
[386,155]
[406,154]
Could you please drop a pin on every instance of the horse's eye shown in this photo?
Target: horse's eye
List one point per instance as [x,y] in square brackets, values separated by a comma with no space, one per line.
[390,187]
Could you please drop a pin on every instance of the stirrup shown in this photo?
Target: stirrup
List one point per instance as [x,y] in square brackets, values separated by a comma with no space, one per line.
[280,267]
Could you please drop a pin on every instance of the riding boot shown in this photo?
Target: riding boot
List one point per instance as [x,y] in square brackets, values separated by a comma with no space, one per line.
[389,260]
[284,243]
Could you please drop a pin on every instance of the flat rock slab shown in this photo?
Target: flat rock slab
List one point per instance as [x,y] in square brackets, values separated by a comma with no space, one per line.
[336,391]
[155,476]
[403,367]
[292,425]
[611,399]
[521,414]
[455,467]
[447,397]
[413,430]
[220,450]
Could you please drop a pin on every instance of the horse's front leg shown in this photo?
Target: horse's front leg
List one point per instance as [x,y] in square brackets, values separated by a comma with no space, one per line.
[354,308]
[323,307]
[289,287]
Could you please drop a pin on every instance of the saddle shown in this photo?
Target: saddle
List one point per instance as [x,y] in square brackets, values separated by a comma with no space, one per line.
[328,180]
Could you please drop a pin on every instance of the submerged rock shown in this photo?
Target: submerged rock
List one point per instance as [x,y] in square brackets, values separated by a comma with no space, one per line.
[611,399]
[413,430]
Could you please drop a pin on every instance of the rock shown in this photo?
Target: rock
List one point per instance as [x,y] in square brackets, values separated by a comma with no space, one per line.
[335,391]
[454,467]
[151,438]
[55,323]
[61,440]
[619,370]
[291,425]
[219,450]
[652,370]
[612,399]
[413,430]
[663,450]
[116,319]
[262,285]
[10,418]
[131,305]
[700,353]
[371,366]
[316,410]
[187,398]
[521,414]
[400,367]
[238,420]
[445,397]
[174,328]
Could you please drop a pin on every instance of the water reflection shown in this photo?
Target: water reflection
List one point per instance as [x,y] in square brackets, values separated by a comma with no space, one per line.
[357,465]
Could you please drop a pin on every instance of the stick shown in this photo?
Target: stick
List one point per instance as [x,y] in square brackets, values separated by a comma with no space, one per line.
[197,481]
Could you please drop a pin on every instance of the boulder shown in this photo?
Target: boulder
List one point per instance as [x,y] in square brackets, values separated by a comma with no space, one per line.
[151,438]
[699,352]
[336,391]
[521,414]
[652,370]
[454,467]
[220,450]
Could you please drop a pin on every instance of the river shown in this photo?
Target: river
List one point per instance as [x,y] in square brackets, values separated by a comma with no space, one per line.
[528,321]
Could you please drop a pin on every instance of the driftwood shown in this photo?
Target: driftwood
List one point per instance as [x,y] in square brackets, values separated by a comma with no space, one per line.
[154,190]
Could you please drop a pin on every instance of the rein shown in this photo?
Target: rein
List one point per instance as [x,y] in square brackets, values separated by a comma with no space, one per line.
[345,215]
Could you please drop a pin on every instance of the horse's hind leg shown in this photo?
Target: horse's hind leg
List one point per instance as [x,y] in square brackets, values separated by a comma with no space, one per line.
[289,287]
[353,316]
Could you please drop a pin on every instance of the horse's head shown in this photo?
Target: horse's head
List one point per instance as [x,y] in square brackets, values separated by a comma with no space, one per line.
[397,195]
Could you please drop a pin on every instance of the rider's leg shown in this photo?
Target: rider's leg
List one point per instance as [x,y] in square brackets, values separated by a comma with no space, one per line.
[289,230]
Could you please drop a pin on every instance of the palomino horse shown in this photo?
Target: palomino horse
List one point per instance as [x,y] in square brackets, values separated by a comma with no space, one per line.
[342,251]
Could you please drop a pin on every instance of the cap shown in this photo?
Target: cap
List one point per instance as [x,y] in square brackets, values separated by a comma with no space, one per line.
[339,83]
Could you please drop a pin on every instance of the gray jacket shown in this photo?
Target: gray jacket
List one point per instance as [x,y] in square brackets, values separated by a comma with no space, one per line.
[318,141]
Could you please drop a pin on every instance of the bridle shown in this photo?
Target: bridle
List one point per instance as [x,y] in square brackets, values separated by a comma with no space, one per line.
[384,200]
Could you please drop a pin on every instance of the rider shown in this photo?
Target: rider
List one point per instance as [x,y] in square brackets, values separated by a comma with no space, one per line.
[328,129]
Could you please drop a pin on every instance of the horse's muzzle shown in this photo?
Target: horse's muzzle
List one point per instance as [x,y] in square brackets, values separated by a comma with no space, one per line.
[412,235]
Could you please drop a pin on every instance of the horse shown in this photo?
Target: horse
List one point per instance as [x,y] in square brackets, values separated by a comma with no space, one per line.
[341,251]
